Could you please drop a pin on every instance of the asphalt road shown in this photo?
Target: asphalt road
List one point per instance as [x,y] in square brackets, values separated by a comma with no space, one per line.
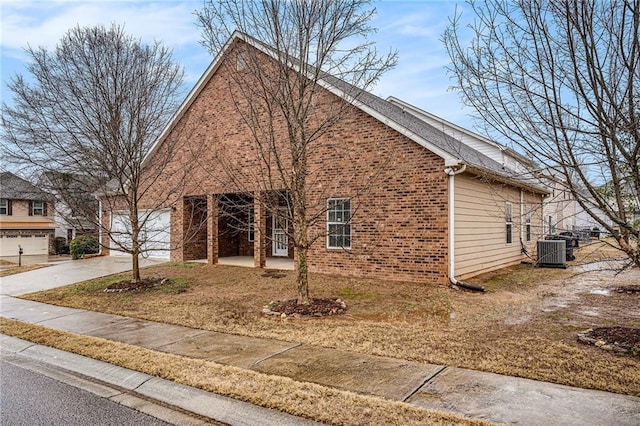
[29,398]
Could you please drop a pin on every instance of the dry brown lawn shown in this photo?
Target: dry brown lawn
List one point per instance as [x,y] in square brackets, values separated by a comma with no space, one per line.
[19,269]
[524,325]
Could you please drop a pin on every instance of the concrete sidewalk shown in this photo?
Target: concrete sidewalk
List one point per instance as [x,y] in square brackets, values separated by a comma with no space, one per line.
[471,393]
[142,392]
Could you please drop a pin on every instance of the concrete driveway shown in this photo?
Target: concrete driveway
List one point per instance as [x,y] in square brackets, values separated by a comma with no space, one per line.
[68,272]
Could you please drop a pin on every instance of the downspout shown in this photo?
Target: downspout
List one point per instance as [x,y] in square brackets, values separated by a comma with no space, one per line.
[451,170]
[542,215]
[522,216]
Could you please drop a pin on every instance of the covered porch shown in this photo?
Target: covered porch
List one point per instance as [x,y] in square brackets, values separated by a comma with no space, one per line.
[238,229]
[283,263]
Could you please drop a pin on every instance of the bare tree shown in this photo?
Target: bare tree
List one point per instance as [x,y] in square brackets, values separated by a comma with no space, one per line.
[84,117]
[560,80]
[309,42]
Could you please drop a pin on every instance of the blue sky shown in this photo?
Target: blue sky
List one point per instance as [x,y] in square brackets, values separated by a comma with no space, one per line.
[411,27]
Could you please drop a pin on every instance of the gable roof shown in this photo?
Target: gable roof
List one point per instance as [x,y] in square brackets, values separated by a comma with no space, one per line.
[487,146]
[452,150]
[13,187]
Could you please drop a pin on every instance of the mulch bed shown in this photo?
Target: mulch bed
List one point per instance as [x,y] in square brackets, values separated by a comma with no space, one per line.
[274,273]
[619,339]
[317,308]
[128,285]
[634,288]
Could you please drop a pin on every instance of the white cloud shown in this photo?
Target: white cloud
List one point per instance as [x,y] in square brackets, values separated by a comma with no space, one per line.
[411,27]
[422,19]
[43,23]
[414,29]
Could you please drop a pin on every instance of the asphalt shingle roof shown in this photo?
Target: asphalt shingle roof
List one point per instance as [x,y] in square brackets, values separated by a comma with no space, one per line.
[436,137]
[426,131]
[15,188]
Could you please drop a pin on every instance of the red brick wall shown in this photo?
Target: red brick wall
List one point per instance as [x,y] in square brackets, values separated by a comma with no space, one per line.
[399,230]
[194,228]
[398,188]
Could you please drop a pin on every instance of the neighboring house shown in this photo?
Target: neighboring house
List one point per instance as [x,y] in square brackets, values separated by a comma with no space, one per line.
[630,204]
[76,207]
[560,208]
[26,218]
[71,226]
[562,212]
[585,220]
[438,207]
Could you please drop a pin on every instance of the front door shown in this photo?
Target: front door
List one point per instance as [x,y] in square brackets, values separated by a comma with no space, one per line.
[280,238]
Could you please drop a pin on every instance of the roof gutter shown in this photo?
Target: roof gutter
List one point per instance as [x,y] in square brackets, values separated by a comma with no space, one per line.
[453,168]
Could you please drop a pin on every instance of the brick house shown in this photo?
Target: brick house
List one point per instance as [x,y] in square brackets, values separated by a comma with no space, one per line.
[395,197]
[26,218]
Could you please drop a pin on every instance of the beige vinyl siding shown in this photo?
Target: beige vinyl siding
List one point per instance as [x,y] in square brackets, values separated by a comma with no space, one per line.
[20,213]
[34,234]
[537,225]
[480,229]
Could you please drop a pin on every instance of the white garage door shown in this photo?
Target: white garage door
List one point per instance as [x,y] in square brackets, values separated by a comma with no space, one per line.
[120,232]
[37,244]
[155,236]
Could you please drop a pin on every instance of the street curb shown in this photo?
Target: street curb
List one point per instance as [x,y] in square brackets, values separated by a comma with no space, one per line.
[141,389]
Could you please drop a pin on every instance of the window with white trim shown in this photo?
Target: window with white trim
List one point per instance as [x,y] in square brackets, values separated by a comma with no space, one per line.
[37,208]
[4,207]
[339,223]
[241,60]
[508,219]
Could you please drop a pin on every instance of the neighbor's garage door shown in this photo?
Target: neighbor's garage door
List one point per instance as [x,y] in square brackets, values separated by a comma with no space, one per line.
[31,244]
[155,236]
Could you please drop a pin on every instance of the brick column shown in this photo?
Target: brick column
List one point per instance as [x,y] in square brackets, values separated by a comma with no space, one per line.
[260,232]
[212,229]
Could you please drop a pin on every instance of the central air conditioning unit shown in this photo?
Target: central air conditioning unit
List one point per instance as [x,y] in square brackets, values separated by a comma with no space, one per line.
[552,253]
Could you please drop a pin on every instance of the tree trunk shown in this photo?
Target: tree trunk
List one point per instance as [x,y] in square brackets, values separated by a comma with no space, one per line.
[135,265]
[301,232]
[631,249]
[302,276]
[135,245]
